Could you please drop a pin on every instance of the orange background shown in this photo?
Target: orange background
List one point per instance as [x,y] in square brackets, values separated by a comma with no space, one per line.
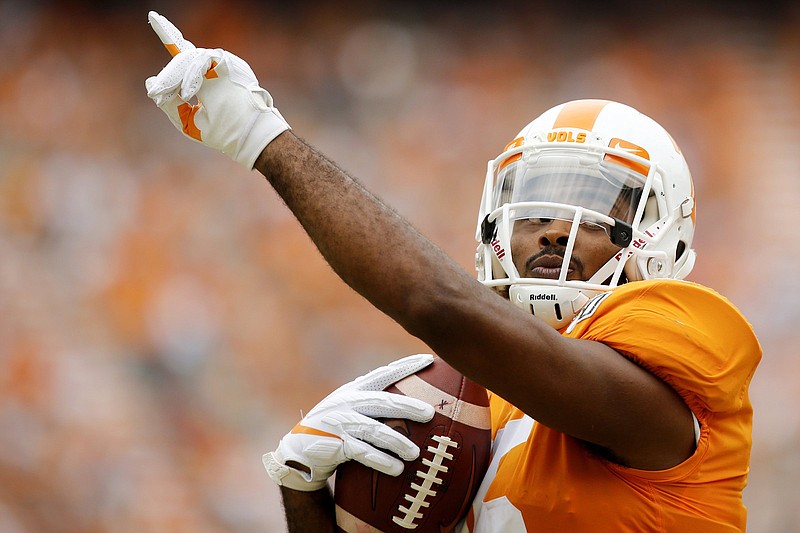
[163,319]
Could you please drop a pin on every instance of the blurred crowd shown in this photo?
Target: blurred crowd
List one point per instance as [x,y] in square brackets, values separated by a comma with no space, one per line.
[164,320]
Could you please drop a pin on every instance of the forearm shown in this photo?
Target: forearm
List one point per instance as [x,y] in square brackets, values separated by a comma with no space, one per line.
[381,256]
[311,512]
[372,248]
[402,273]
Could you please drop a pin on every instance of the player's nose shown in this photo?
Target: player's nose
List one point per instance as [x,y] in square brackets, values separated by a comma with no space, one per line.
[557,233]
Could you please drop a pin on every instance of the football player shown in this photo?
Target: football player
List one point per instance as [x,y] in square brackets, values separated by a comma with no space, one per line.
[619,392]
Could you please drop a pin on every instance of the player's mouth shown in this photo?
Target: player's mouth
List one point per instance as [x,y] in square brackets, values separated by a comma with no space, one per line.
[547,267]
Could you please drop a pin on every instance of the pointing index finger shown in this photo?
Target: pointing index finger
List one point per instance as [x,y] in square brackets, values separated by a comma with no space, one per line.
[170,35]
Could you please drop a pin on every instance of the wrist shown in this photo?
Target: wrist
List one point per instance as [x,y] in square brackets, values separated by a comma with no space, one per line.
[309,511]
[289,477]
[265,128]
[273,153]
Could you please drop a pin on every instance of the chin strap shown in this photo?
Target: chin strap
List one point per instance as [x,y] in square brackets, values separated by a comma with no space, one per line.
[687,265]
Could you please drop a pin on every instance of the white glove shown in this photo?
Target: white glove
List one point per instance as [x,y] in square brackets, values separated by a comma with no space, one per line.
[340,428]
[233,113]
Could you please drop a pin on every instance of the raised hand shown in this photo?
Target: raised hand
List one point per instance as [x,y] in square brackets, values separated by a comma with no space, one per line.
[232,113]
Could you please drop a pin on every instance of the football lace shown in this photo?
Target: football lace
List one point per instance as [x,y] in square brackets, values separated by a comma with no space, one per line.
[429,479]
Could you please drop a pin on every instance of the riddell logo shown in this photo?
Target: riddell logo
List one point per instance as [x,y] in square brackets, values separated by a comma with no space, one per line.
[499,251]
[566,137]
[543,297]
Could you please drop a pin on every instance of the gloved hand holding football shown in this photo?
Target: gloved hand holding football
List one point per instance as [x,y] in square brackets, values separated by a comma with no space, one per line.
[343,426]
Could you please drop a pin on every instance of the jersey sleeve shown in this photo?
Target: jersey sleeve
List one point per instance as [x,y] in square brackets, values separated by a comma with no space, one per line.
[686,334]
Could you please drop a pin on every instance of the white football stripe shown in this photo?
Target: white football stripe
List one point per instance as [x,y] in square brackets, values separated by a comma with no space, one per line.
[464,412]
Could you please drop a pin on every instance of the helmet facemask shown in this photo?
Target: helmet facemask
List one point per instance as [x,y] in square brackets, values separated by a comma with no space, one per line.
[598,165]
[600,191]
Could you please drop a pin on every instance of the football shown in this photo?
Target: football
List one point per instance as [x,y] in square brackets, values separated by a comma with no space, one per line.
[435,491]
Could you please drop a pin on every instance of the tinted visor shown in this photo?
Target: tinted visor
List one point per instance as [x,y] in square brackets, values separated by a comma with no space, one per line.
[607,188]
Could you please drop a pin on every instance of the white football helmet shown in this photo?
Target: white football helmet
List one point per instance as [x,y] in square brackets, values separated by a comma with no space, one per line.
[597,163]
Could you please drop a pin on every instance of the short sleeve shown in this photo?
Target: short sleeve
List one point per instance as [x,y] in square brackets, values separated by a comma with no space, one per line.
[684,333]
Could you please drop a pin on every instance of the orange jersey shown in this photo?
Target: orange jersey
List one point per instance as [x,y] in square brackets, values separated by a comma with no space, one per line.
[695,340]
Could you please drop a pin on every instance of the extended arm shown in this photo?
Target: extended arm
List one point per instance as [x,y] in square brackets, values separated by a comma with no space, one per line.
[580,387]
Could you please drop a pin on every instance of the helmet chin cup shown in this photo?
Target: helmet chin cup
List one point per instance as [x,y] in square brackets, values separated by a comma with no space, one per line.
[555,305]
